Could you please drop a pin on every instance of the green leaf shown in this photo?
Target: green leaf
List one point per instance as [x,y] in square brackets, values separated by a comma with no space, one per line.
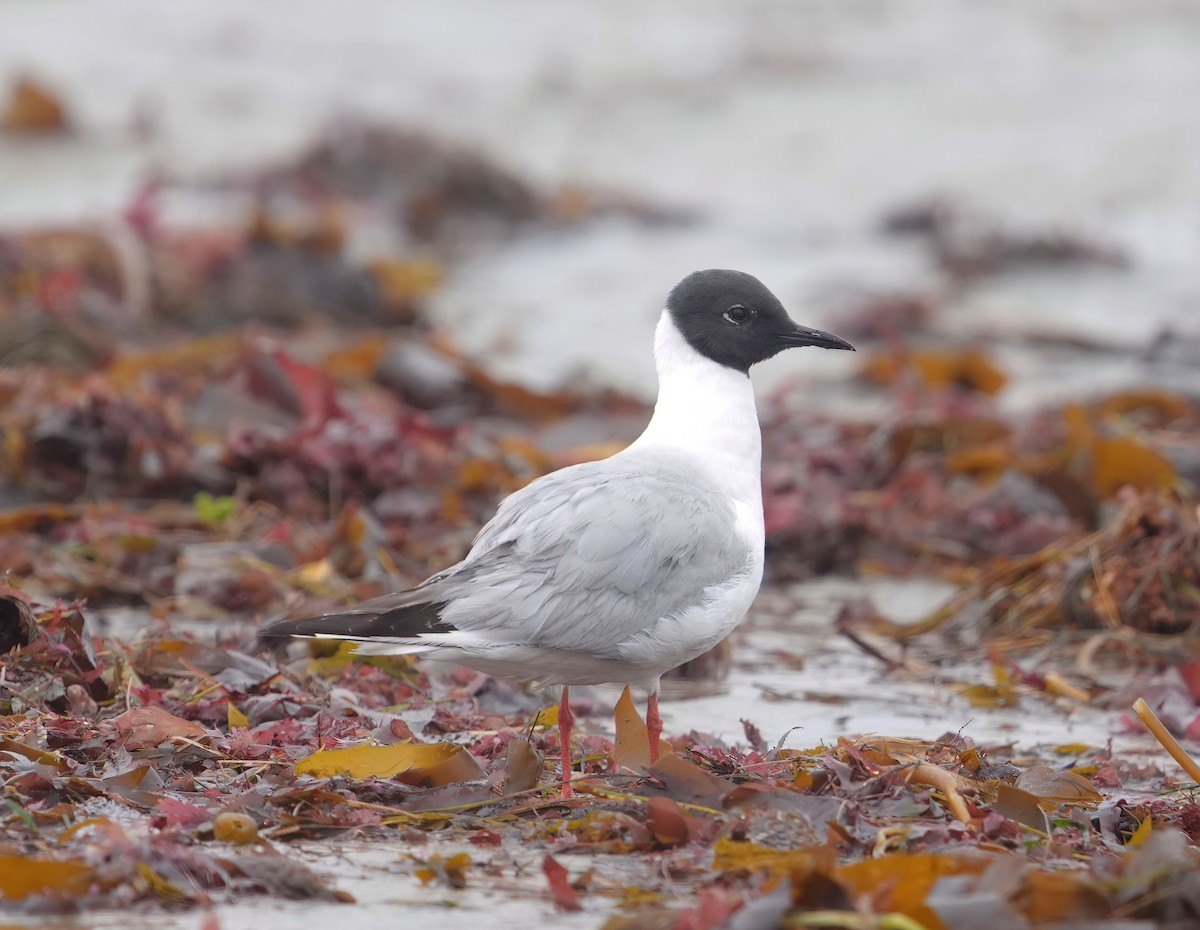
[214,511]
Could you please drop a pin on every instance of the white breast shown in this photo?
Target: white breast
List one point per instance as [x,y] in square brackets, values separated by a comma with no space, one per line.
[706,413]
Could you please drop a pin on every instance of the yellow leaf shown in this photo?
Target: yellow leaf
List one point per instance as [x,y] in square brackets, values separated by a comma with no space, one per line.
[330,657]
[34,516]
[546,717]
[1002,694]
[1072,749]
[235,717]
[1080,432]
[967,368]
[229,827]
[452,869]
[21,876]
[923,773]
[986,696]
[1142,833]
[318,572]
[200,354]
[1167,405]
[403,280]
[1054,683]
[477,474]
[900,882]
[423,766]
[729,855]
[981,462]
[100,824]
[162,886]
[1120,462]
[33,109]
[33,754]
[357,361]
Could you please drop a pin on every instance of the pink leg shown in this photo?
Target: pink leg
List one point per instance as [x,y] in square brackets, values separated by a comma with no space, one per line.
[653,725]
[566,720]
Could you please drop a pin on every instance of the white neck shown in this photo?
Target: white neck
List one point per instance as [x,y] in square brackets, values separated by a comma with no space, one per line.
[706,412]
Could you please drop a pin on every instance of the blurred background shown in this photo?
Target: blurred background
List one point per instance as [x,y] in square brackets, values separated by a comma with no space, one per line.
[789,139]
[294,292]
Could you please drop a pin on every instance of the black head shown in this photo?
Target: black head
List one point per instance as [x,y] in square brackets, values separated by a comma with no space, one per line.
[731,318]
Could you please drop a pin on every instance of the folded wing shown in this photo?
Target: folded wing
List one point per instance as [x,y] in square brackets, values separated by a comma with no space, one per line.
[582,560]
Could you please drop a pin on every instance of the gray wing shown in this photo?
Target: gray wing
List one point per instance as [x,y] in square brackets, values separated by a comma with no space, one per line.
[590,556]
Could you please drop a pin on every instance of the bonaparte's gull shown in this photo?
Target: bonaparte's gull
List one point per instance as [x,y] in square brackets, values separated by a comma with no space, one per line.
[621,569]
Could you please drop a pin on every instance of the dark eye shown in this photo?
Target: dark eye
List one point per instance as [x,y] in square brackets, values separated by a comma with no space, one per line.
[737,314]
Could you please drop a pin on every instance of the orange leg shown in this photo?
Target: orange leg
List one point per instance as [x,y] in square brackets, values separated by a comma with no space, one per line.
[566,720]
[653,725]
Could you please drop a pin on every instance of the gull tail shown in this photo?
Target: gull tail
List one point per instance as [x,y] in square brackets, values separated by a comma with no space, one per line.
[406,623]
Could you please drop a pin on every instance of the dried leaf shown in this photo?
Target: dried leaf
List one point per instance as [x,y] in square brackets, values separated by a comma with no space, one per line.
[1020,806]
[522,766]
[667,822]
[676,778]
[560,886]
[631,749]
[1053,897]
[925,774]
[1061,787]
[32,109]
[713,908]
[147,727]
[285,877]
[33,754]
[425,766]
[182,814]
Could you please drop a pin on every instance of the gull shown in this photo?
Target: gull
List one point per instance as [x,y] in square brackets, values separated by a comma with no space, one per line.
[617,570]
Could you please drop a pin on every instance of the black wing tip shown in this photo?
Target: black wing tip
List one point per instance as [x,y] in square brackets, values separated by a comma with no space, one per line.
[406,621]
[275,636]
[281,629]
